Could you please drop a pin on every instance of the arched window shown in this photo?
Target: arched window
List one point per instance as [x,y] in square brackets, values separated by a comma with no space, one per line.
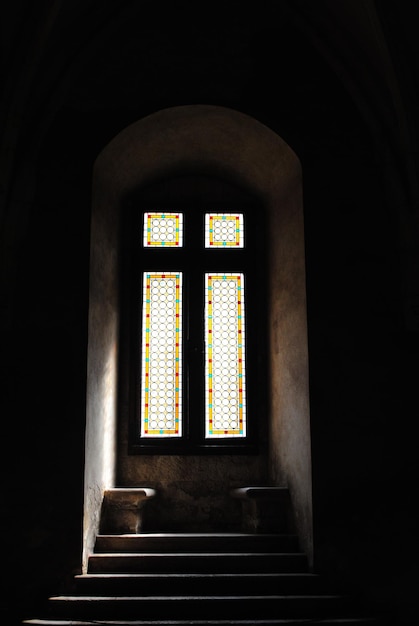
[221,143]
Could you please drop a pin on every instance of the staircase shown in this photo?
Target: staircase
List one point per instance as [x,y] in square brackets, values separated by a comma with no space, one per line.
[179,579]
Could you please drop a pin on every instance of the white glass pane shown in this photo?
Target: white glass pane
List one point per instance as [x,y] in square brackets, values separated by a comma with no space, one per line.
[225,380]
[161,380]
[224,230]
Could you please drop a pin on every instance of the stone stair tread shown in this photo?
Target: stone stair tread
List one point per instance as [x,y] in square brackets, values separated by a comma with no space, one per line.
[248,598]
[214,583]
[197,562]
[354,621]
[198,535]
[192,542]
[200,575]
[217,554]
[192,534]
[124,563]
[194,607]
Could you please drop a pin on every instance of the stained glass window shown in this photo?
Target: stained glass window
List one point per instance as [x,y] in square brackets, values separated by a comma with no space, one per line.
[193,392]
[162,230]
[225,389]
[224,230]
[161,380]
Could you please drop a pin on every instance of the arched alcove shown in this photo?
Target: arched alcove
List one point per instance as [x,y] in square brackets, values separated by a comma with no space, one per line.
[214,141]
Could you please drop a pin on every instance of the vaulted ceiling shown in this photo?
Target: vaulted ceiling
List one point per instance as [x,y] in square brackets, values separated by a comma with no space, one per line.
[290,63]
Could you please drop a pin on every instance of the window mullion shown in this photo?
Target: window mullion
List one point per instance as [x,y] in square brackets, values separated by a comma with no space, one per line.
[195,351]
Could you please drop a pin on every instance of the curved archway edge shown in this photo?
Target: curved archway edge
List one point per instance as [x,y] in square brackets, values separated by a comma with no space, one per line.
[215,140]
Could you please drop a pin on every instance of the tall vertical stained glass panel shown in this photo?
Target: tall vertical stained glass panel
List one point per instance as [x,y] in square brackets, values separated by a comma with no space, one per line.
[225,388]
[162,230]
[161,379]
[224,230]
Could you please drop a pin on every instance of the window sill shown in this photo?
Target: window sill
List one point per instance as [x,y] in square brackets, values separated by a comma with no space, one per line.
[197,449]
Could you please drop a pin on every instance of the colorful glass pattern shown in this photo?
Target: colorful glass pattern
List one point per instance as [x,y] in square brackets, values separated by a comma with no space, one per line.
[224,230]
[225,388]
[162,230]
[161,384]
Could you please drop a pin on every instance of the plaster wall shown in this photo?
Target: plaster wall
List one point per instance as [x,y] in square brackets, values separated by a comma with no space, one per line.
[101,390]
[210,140]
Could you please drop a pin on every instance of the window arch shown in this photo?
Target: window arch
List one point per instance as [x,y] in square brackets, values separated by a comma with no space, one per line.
[216,140]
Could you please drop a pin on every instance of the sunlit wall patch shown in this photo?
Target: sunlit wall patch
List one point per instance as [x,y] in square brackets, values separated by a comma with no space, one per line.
[161,378]
[224,230]
[225,376]
[162,230]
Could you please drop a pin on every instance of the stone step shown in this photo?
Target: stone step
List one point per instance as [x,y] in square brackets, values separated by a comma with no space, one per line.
[195,607]
[201,579]
[196,542]
[195,584]
[197,562]
[352,621]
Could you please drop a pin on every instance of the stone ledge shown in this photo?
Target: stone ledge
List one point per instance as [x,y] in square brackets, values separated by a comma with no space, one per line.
[256,493]
[264,509]
[123,509]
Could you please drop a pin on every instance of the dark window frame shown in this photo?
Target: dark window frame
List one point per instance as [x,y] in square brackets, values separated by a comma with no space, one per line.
[251,261]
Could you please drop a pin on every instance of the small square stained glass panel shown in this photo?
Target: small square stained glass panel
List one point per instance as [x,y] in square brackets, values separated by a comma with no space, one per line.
[224,230]
[163,230]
